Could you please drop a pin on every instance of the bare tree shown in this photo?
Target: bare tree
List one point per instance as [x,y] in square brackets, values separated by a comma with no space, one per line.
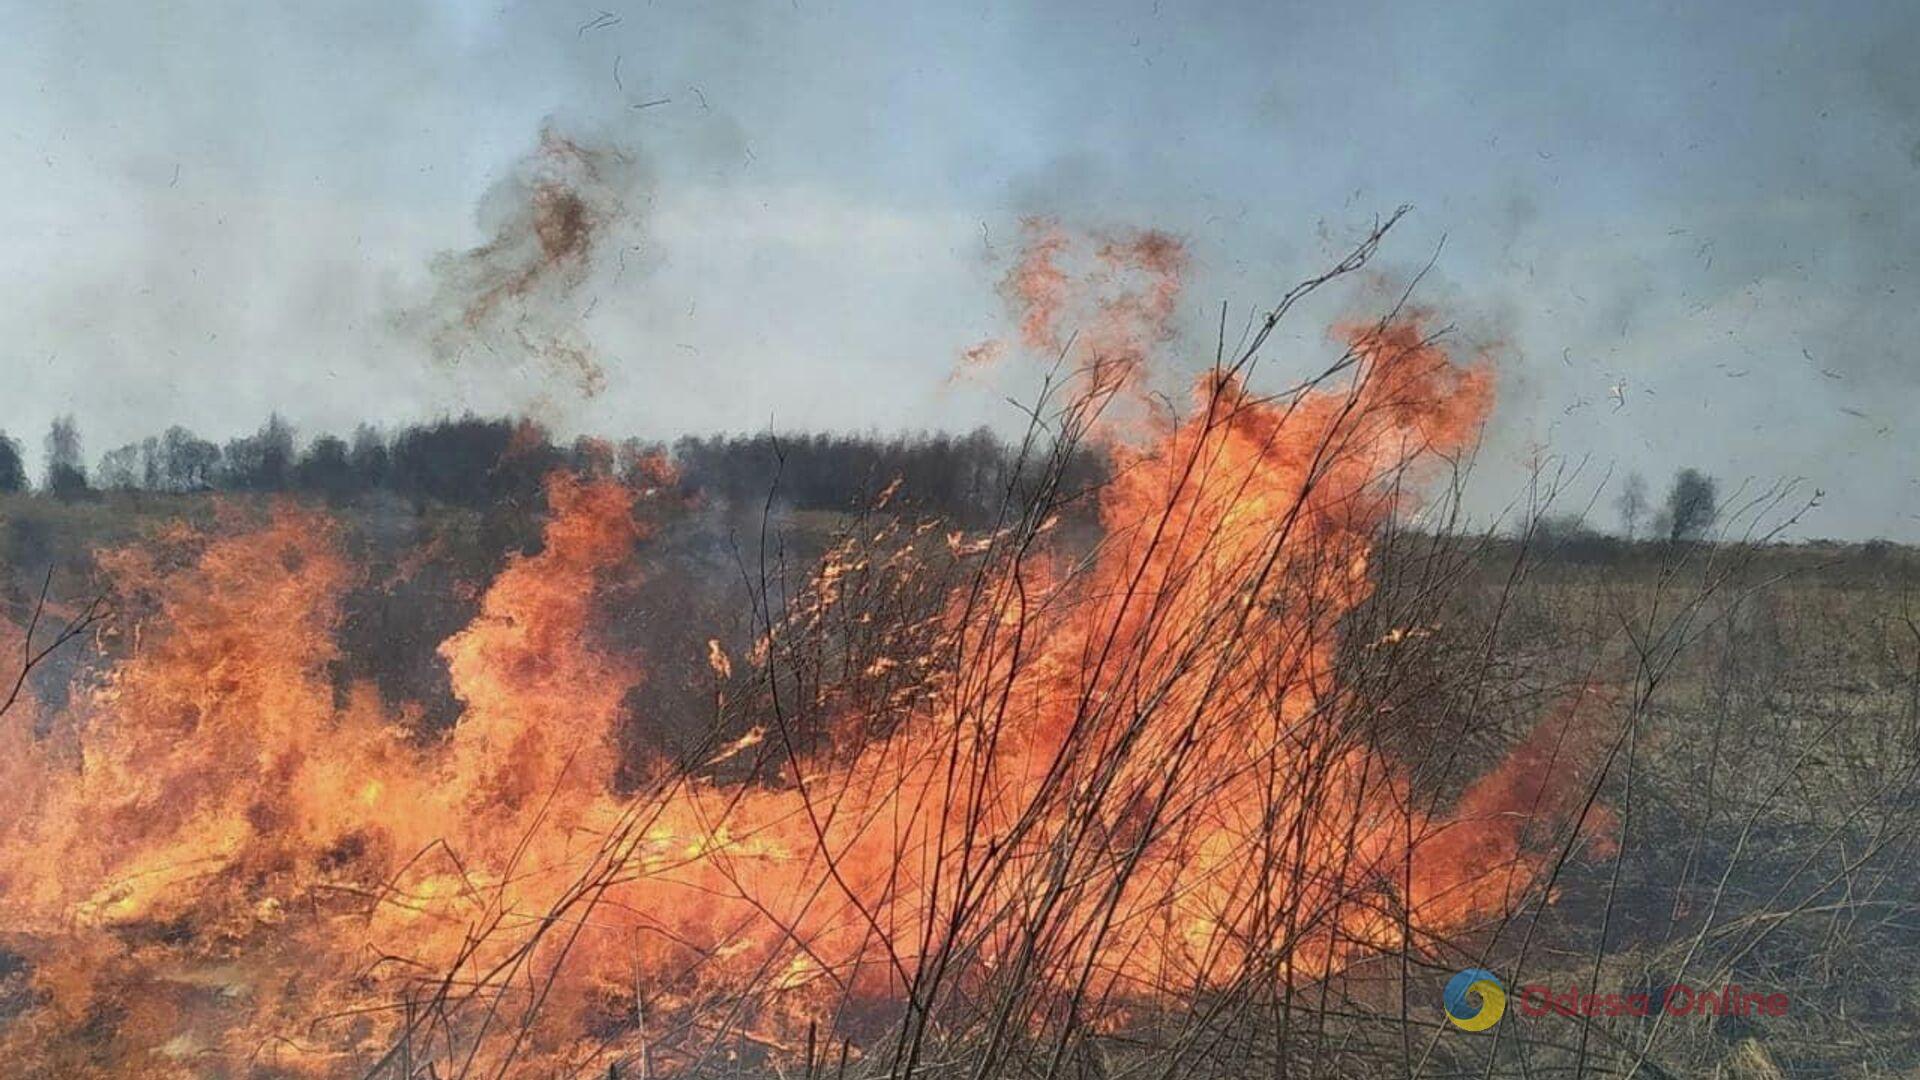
[1633,503]
[119,469]
[66,475]
[1692,505]
[13,472]
[150,463]
[187,461]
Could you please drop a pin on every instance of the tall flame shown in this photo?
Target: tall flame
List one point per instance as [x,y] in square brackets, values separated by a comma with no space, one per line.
[1120,780]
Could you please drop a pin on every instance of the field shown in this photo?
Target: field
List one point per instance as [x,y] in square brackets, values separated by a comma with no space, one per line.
[1764,788]
[1749,717]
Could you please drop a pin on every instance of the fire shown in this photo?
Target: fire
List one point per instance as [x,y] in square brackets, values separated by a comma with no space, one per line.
[1120,780]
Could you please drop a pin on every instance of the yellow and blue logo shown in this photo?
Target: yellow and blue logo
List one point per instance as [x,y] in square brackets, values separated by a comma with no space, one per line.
[1476,999]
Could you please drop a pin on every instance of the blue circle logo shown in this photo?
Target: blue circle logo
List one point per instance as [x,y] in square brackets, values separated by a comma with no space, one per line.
[1476,999]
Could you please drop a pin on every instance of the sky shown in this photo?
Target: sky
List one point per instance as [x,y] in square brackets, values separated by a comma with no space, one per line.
[215,211]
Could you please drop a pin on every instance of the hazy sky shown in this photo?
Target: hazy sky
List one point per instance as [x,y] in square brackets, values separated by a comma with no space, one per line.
[214,210]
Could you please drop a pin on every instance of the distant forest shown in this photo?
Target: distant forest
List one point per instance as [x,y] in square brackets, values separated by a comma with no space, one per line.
[477,461]
[486,461]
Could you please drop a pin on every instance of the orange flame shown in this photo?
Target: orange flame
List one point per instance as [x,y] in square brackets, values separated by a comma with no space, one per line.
[1133,788]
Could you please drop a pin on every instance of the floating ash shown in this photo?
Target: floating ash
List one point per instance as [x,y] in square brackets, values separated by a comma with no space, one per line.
[553,222]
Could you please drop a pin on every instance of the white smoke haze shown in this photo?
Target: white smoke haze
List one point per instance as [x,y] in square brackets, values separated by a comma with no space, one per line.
[216,213]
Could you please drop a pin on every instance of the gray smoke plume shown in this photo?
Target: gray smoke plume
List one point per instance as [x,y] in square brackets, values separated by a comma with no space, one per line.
[565,213]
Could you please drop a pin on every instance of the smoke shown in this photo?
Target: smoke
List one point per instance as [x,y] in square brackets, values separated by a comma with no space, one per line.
[564,215]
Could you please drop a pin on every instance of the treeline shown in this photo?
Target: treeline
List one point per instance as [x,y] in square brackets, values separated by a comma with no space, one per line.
[1688,514]
[964,477]
[477,461]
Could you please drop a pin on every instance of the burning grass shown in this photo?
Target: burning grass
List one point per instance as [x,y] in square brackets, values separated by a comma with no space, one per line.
[1205,790]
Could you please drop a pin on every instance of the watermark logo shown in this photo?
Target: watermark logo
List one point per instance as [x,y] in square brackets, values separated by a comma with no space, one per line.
[1476,999]
[1680,999]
